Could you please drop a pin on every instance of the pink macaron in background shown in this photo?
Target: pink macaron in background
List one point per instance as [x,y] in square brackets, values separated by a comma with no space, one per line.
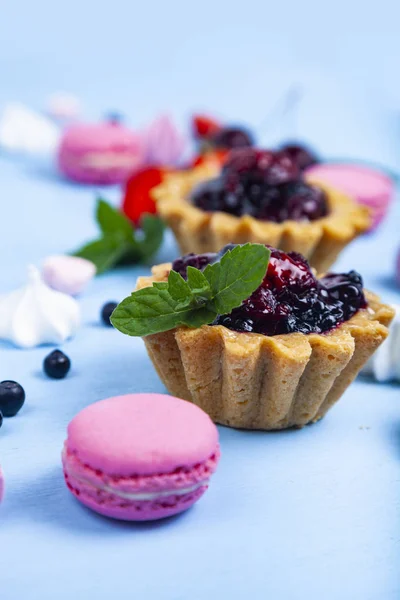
[100,154]
[140,456]
[367,186]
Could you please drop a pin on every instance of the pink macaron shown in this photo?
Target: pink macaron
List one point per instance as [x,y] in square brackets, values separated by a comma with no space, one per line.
[141,456]
[100,154]
[367,186]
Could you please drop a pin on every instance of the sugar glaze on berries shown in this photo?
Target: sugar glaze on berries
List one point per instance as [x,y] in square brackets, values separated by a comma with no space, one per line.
[264,184]
[290,299]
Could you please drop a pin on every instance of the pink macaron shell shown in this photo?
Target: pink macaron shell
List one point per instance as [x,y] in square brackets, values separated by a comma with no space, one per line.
[104,153]
[1,485]
[102,493]
[146,444]
[367,186]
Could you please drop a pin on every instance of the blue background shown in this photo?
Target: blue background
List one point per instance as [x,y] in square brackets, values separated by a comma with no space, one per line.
[299,514]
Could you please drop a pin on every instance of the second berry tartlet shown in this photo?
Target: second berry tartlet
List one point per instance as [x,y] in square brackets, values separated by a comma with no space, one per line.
[261,197]
[280,359]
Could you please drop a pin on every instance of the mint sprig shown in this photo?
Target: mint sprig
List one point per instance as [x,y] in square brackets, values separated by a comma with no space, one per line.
[119,242]
[197,301]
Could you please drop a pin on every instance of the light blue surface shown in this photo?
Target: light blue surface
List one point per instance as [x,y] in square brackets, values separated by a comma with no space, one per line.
[301,514]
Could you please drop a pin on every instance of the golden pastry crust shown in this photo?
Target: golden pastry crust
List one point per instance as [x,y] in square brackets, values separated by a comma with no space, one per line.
[254,381]
[198,231]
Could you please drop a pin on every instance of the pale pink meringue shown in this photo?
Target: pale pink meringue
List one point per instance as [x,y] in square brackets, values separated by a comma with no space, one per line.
[164,143]
[68,274]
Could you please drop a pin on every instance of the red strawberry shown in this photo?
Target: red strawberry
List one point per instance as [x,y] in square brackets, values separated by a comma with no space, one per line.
[204,127]
[216,157]
[137,199]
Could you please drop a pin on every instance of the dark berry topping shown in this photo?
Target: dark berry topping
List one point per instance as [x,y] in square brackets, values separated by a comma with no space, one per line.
[107,311]
[302,156]
[198,261]
[291,299]
[266,185]
[231,137]
[12,398]
[56,365]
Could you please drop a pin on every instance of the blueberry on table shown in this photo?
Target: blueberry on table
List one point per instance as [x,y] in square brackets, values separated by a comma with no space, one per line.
[56,365]
[12,398]
[107,311]
[1,418]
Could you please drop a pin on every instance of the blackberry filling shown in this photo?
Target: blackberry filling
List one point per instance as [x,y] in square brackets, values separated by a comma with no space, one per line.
[301,155]
[266,185]
[290,299]
[231,137]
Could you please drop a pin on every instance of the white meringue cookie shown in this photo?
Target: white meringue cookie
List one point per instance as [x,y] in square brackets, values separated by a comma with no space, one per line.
[68,274]
[35,314]
[24,130]
[384,365]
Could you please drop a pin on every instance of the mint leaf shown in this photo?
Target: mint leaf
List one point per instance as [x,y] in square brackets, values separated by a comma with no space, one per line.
[179,288]
[198,283]
[153,233]
[111,221]
[236,276]
[149,310]
[195,302]
[104,253]
[120,243]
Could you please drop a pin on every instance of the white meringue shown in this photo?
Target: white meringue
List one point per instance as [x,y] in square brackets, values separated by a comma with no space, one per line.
[24,130]
[68,274]
[35,314]
[384,365]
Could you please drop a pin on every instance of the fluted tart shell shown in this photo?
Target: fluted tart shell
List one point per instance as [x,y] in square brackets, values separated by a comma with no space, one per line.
[254,381]
[198,231]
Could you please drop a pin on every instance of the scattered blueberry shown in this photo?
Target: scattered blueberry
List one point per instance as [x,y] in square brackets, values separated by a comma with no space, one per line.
[1,418]
[56,365]
[107,311]
[12,398]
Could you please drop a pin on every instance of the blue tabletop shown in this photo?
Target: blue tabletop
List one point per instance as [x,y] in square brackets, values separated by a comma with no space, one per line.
[297,514]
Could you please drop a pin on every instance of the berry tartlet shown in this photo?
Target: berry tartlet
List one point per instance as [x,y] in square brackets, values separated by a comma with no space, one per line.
[281,358]
[259,196]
